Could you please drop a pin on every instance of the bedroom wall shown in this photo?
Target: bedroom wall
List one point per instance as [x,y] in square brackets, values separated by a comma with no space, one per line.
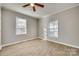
[68,31]
[0,26]
[9,27]
[43,28]
[68,26]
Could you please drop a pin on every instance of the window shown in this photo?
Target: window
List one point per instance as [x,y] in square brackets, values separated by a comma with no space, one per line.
[53,29]
[20,26]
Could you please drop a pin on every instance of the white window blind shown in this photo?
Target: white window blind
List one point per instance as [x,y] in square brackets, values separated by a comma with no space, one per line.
[20,26]
[53,29]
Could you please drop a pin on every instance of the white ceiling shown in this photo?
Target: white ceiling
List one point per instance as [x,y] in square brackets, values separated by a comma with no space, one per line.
[50,8]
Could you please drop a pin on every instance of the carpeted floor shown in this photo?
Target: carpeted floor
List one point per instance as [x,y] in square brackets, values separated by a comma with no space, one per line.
[38,47]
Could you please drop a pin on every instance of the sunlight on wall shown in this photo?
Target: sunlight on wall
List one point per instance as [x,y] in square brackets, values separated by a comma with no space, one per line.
[45,33]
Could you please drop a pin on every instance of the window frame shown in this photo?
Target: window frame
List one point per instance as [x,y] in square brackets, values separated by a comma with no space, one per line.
[24,19]
[53,29]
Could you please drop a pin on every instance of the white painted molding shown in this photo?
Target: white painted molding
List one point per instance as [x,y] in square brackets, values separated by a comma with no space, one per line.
[42,39]
[74,46]
[16,42]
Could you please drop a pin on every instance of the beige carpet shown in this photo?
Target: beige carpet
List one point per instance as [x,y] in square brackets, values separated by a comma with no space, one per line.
[38,47]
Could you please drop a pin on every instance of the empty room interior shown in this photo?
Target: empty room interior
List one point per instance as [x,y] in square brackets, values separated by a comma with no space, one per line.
[39,29]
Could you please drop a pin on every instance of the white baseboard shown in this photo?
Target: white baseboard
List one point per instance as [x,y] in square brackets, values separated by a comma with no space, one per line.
[39,38]
[16,42]
[74,46]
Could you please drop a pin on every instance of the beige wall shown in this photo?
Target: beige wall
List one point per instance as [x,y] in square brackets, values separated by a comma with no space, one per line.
[68,26]
[9,27]
[0,24]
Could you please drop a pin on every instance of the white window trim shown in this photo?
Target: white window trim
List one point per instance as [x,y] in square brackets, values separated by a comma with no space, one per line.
[50,31]
[25,25]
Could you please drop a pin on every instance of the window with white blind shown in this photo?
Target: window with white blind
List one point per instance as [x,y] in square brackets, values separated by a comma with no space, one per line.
[53,29]
[21,26]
